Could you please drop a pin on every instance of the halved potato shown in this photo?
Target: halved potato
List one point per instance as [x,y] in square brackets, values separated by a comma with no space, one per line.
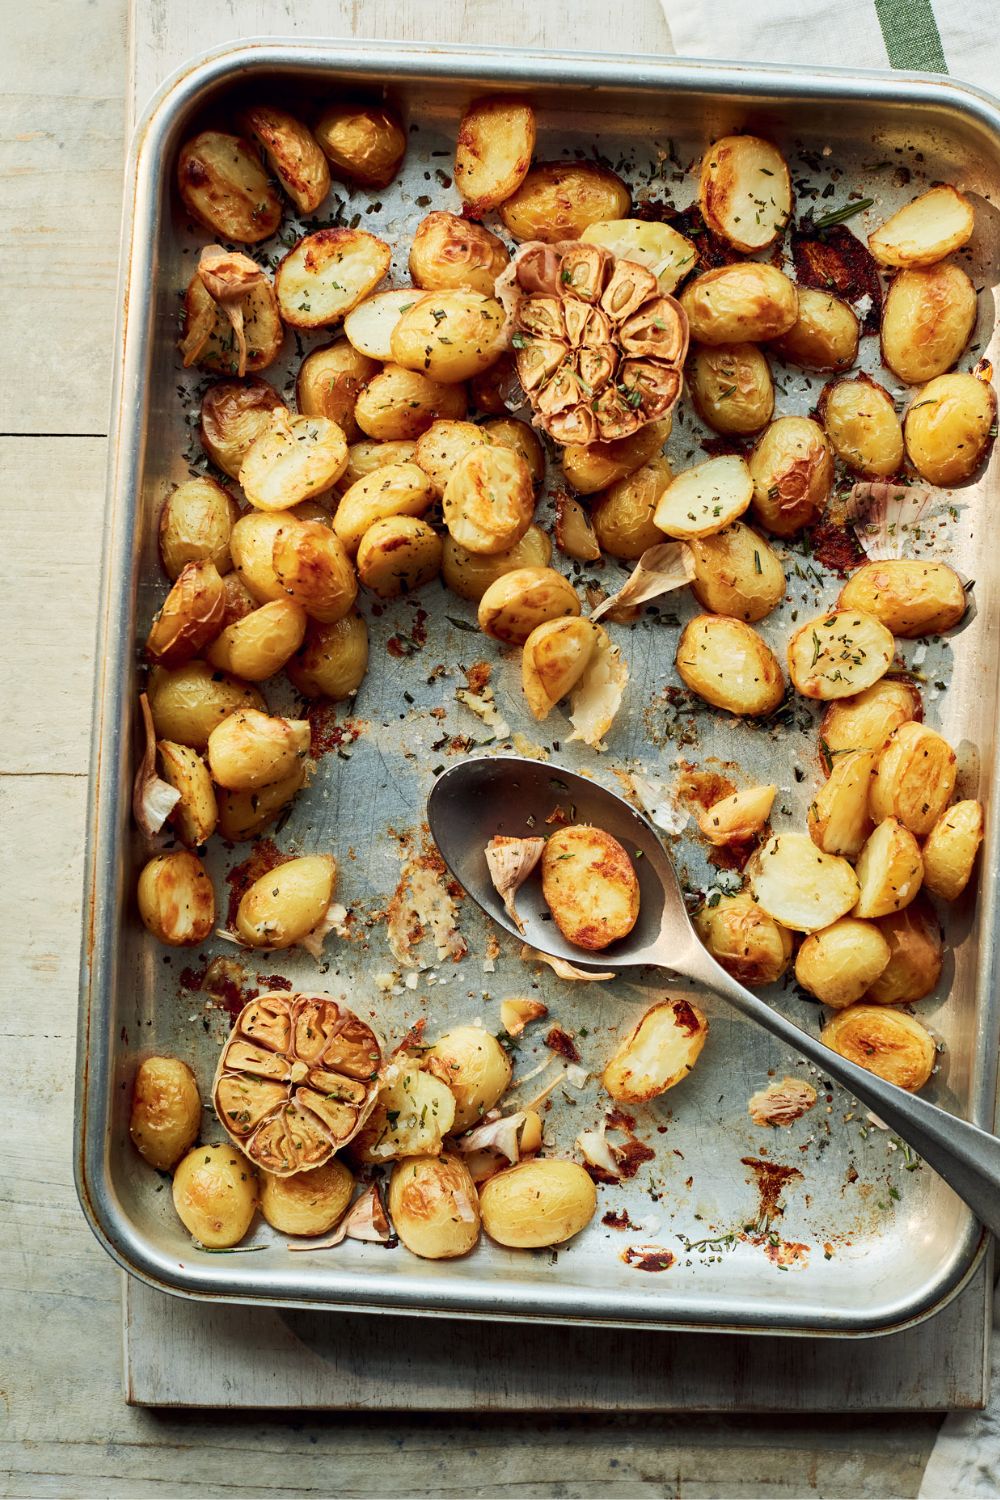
[950,849]
[489,499]
[242,815]
[196,814]
[889,1043]
[738,573]
[589,468]
[401,404]
[866,720]
[792,469]
[590,886]
[738,817]
[745,192]
[449,336]
[293,459]
[176,900]
[916,953]
[262,328]
[196,523]
[739,304]
[840,962]
[706,499]
[744,940]
[414,1113]
[332,660]
[927,320]
[367,455]
[574,530]
[238,600]
[327,273]
[623,516]
[558,199]
[925,231]
[914,778]
[669,255]
[728,664]
[233,414]
[496,141]
[861,423]
[838,819]
[519,437]
[257,646]
[363,142]
[731,387]
[824,336]
[368,327]
[889,869]
[518,602]
[449,252]
[799,885]
[398,555]
[330,381]
[252,547]
[395,490]
[910,598]
[554,659]
[312,566]
[659,1053]
[948,428]
[190,616]
[293,154]
[839,654]
[223,186]
[439,449]
[469,574]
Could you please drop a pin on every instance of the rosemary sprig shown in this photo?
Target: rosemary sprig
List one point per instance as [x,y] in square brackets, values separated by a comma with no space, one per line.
[841,215]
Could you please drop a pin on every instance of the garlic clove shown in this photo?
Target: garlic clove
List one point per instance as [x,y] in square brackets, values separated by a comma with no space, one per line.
[660,570]
[597,696]
[881,513]
[510,862]
[153,799]
[366,1220]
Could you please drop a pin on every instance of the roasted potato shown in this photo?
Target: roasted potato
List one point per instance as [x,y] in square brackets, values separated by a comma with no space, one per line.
[728,664]
[223,185]
[394,490]
[450,253]
[414,1112]
[737,573]
[927,320]
[948,428]
[540,1202]
[476,1069]
[731,387]
[574,530]
[518,601]
[293,459]
[233,414]
[252,546]
[366,456]
[332,660]
[307,1203]
[187,702]
[469,574]
[590,886]
[839,654]
[745,192]
[598,465]
[706,499]
[176,899]
[824,336]
[449,336]
[262,328]
[623,516]
[399,404]
[195,525]
[497,391]
[866,720]
[860,420]
[744,940]
[554,659]
[489,499]
[242,815]
[434,1206]
[838,963]
[257,646]
[659,1053]
[950,849]
[889,1043]
[508,432]
[496,141]
[196,814]
[287,903]
[800,886]
[215,1195]
[838,819]
[330,381]
[916,953]
[910,598]
[365,143]
[439,449]
[923,232]
[739,304]
[398,555]
[914,778]
[368,327]
[558,199]
[293,154]
[889,869]
[669,255]
[250,749]
[312,566]
[327,273]
[166,1111]
[738,817]
[792,469]
[190,616]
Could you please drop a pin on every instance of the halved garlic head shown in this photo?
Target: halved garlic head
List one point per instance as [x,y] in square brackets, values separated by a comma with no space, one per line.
[745,192]
[297,1079]
[923,232]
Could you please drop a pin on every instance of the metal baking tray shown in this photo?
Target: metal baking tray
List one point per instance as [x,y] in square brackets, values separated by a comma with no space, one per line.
[885,1241]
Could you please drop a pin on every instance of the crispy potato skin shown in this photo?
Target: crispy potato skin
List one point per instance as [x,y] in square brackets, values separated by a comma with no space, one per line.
[188,701]
[176,899]
[284,905]
[450,253]
[469,574]
[728,664]
[737,573]
[866,720]
[555,657]
[215,1195]
[196,523]
[824,336]
[364,143]
[889,1043]
[743,303]
[293,152]
[792,470]
[449,336]
[475,1068]
[914,778]
[594,467]
[223,185]
[950,849]
[518,601]
[890,870]
[329,382]
[910,598]
[623,516]
[332,660]
[590,886]
[916,954]
[489,499]
[196,814]
[838,963]
[558,200]
[731,387]
[398,555]
[233,414]
[166,1111]
[749,944]
[496,140]
[399,405]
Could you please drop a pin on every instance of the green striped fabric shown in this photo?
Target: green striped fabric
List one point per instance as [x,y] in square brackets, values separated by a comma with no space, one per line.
[911,35]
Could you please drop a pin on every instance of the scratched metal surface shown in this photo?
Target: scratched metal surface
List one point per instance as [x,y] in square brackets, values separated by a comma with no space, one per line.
[883,1240]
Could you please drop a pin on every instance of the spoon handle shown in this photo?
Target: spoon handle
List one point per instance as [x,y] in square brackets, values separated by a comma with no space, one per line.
[966,1157]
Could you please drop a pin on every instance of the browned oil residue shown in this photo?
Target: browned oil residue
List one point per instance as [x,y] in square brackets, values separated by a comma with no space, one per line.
[703,788]
[837,261]
[326,735]
[413,1041]
[648,1257]
[787,1253]
[686,1018]
[836,548]
[733,856]
[225,981]
[274,981]
[192,979]
[266,856]
[632,1156]
[619,1220]
[560,1041]
[477,677]
[725,447]
[772,1178]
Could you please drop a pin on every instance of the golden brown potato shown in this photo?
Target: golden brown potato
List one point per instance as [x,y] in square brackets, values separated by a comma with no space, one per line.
[293,154]
[449,336]
[889,869]
[400,404]
[866,720]
[394,490]
[839,654]
[623,516]
[196,814]
[286,904]
[558,199]
[745,192]
[861,423]
[738,817]
[364,143]
[329,382]
[434,1206]
[489,499]
[190,617]
[669,255]
[242,815]
[659,1053]
[590,886]
[738,304]
[251,749]
[914,778]
[838,819]
[927,320]
[307,1203]
[555,657]
[731,387]
[824,336]
[215,1195]
[166,1111]
[728,664]
[233,414]
[496,141]
[252,546]
[366,456]
[792,469]
[923,232]
[910,598]
[950,849]
[948,428]
[262,328]
[223,185]
[800,886]
[176,900]
[706,499]
[195,525]
[398,555]
[742,938]
[415,1111]
[598,465]
[540,1202]
[187,702]
[369,326]
[332,660]
[313,568]
[519,438]
[257,646]
[439,449]
[449,252]
[889,1043]
[518,601]
[469,574]
[327,273]
[293,459]
[915,955]
[476,1069]
[737,573]
[838,963]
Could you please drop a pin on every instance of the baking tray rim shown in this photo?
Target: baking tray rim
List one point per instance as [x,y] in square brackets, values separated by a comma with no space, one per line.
[398,61]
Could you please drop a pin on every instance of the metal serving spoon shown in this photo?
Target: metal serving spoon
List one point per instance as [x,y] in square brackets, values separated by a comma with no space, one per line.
[509,795]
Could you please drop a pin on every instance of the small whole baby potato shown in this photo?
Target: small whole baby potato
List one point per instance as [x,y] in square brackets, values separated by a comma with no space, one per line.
[558,199]
[313,568]
[800,886]
[737,573]
[469,574]
[745,191]
[475,1067]
[914,778]
[364,457]
[927,321]
[187,702]
[218,351]
[489,499]
[450,252]
[365,143]
[190,616]
[215,1195]
[394,490]
[223,185]
[496,140]
[413,1114]
[400,404]
[743,303]
[731,387]
[916,953]
[923,232]
[307,1202]
[889,1043]
[590,886]
[519,601]
[889,869]
[283,906]
[332,660]
[176,900]
[658,1054]
[439,449]
[824,336]
[519,438]
[792,469]
[866,720]
[592,467]
[195,525]
[434,1206]
[327,273]
[257,646]
[449,336]
[292,152]
[556,655]
[294,459]
[950,849]
[250,749]
[705,499]
[197,813]
[398,555]
[728,664]
[233,414]
[242,815]
[839,654]
[910,598]
[948,428]
[330,381]
[861,423]
[838,819]
[252,546]
[540,1202]
[744,940]
[623,516]
[166,1111]
[839,963]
